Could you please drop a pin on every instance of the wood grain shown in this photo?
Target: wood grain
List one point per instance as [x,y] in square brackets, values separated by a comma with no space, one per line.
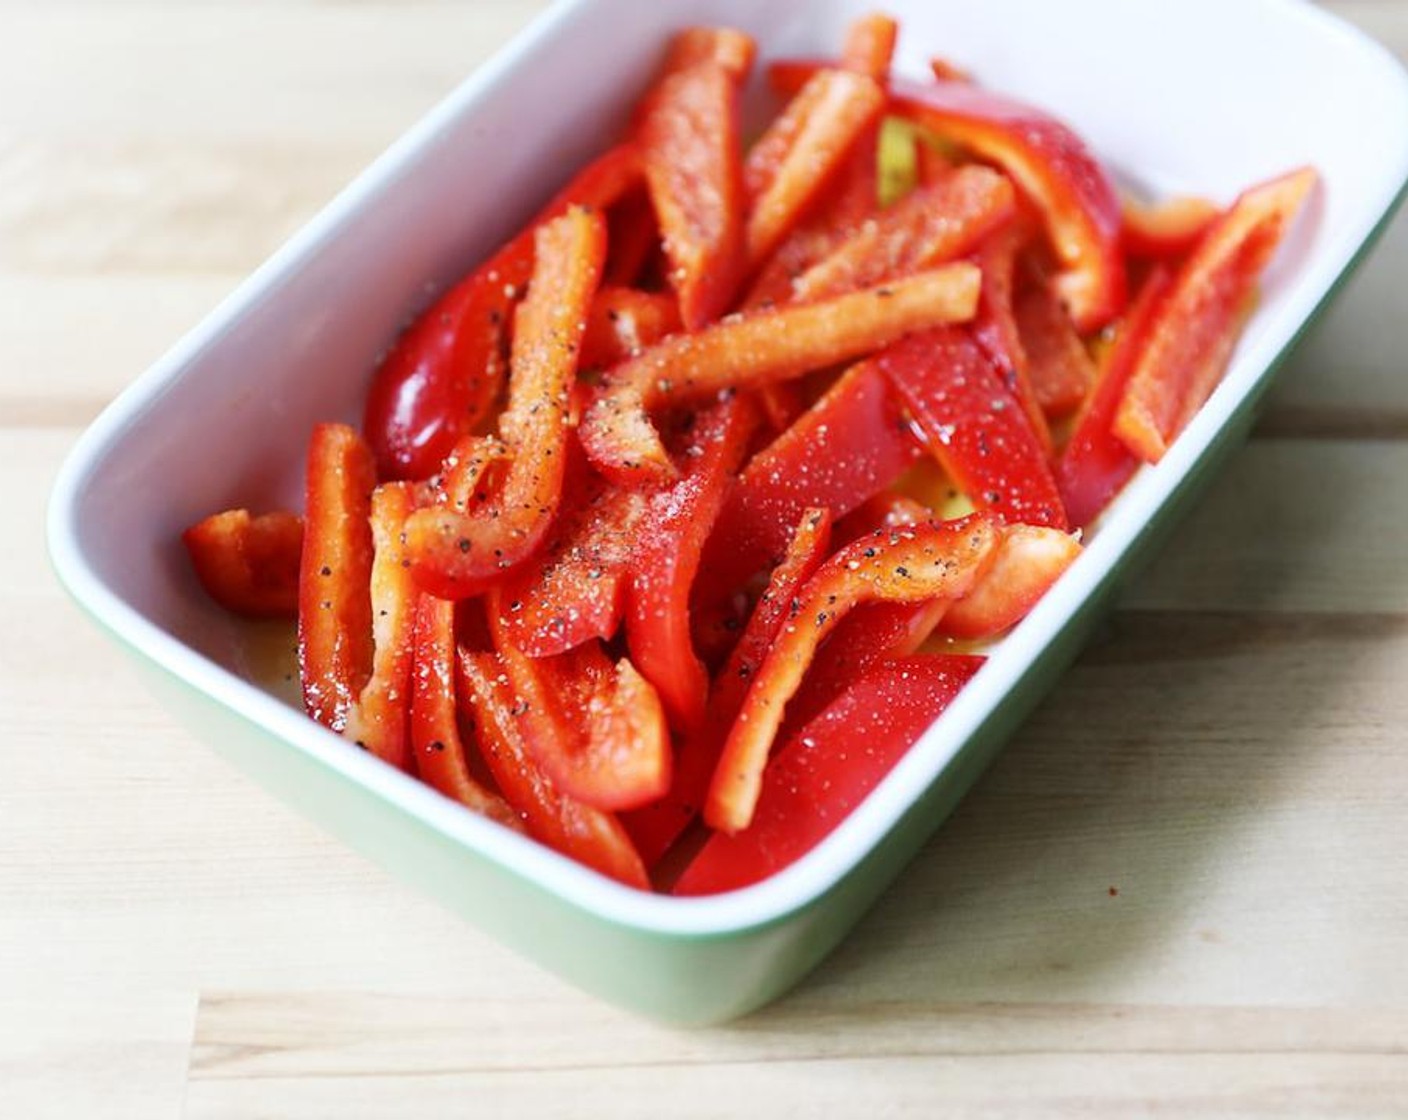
[1179,892]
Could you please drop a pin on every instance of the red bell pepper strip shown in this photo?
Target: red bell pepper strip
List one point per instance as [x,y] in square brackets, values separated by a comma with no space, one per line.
[1096,464]
[334,600]
[870,46]
[625,321]
[757,348]
[801,150]
[656,827]
[378,721]
[828,767]
[927,227]
[1166,230]
[1058,365]
[597,730]
[688,131]
[443,375]
[666,557]
[456,554]
[1029,560]
[578,831]
[1198,323]
[248,565]
[726,47]
[850,445]
[973,425]
[440,752]
[935,561]
[995,326]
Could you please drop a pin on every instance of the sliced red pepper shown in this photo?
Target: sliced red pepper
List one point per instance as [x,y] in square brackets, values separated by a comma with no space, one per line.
[801,150]
[625,321]
[973,425]
[995,325]
[850,445]
[598,730]
[1198,323]
[1096,464]
[440,752]
[456,553]
[379,721]
[657,826]
[929,226]
[829,767]
[248,565]
[334,597]
[688,132]
[756,348]
[578,831]
[935,561]
[1029,560]
[1166,230]
[726,47]
[666,557]
[1058,364]
[443,375]
[870,46]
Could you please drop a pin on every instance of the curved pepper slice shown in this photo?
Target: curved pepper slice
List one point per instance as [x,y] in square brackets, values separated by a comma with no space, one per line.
[442,376]
[657,826]
[850,445]
[1096,464]
[827,768]
[1029,560]
[334,600]
[935,561]
[578,831]
[1058,364]
[597,730]
[625,321]
[248,565]
[688,131]
[1166,230]
[456,554]
[666,558]
[379,719]
[1197,325]
[756,348]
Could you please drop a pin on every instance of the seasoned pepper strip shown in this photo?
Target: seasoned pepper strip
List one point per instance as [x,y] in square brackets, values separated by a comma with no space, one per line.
[752,349]
[578,831]
[248,565]
[379,719]
[334,600]
[457,554]
[444,374]
[934,561]
[1028,561]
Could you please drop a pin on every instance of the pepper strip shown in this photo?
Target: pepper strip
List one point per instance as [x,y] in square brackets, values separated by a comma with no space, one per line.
[1166,230]
[935,561]
[757,348]
[456,554]
[334,601]
[1058,365]
[625,321]
[443,375]
[248,565]
[1029,560]
[870,45]
[656,827]
[828,767]
[1197,325]
[973,426]
[379,719]
[578,831]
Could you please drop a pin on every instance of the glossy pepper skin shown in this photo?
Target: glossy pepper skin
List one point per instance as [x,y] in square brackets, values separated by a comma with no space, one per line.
[248,565]
[334,600]
[1199,321]
[442,377]
[828,767]
[934,561]
[457,554]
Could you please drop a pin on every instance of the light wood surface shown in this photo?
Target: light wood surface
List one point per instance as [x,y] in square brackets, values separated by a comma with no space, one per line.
[1181,891]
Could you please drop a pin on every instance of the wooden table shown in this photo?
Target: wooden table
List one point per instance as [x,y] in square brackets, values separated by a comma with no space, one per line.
[1181,891]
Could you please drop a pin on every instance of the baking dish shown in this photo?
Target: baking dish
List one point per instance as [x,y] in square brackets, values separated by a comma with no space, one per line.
[223,419]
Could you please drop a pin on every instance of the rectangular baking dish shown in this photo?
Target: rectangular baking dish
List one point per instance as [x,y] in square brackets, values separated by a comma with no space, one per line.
[223,420]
